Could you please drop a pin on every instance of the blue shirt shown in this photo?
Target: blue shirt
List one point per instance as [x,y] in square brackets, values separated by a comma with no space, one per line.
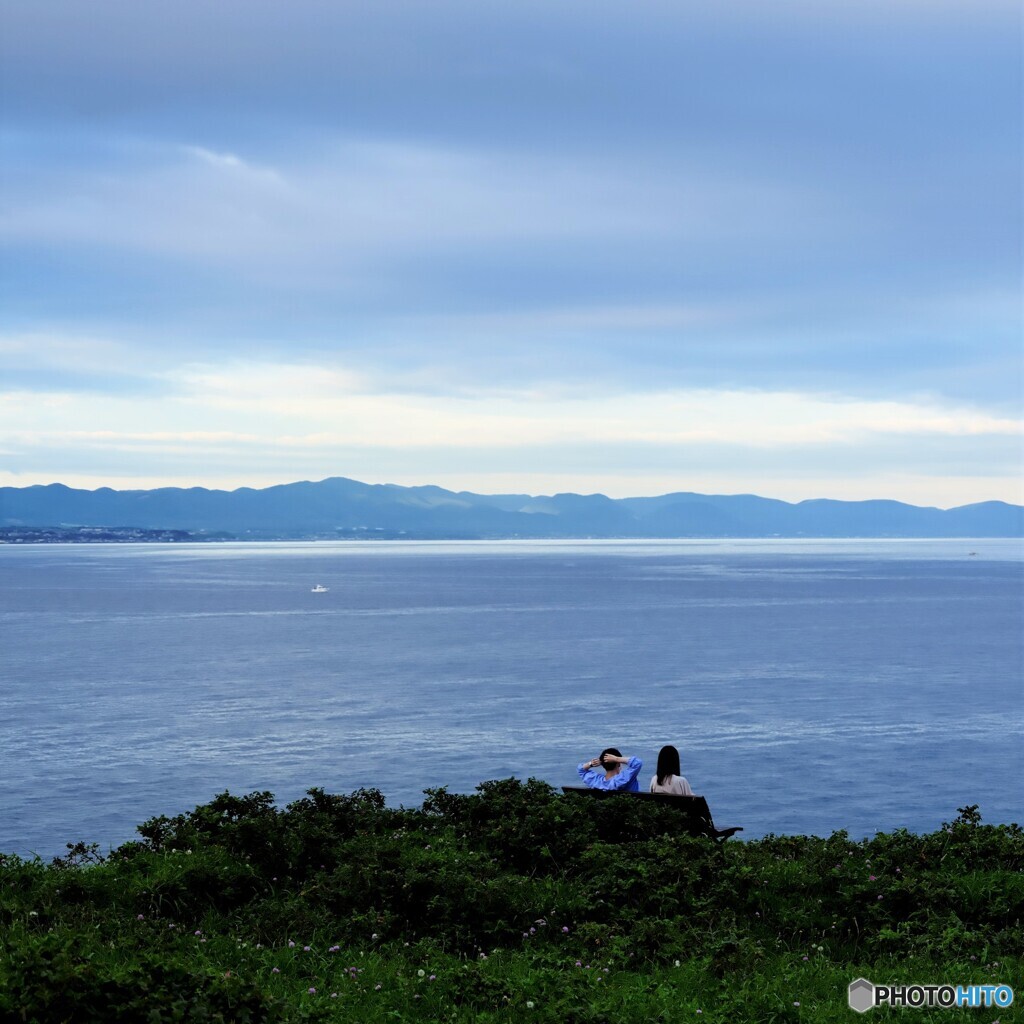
[625,781]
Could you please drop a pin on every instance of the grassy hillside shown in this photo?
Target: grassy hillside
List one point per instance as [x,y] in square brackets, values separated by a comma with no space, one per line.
[511,904]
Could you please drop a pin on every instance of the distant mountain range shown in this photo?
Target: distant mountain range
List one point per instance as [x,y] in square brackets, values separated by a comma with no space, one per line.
[339,507]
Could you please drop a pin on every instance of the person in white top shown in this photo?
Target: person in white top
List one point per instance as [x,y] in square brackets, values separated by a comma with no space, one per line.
[668,779]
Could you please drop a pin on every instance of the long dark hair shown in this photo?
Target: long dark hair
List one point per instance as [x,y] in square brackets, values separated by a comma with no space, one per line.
[668,764]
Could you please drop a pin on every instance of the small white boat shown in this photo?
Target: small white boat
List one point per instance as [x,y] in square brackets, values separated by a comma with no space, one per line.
[319,589]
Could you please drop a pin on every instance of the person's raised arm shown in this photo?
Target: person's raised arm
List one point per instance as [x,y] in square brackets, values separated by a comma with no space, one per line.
[585,768]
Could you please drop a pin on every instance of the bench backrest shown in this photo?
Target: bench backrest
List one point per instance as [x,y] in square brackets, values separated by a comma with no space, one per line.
[693,809]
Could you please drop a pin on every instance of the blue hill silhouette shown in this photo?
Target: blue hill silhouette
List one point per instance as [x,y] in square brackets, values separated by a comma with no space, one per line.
[342,507]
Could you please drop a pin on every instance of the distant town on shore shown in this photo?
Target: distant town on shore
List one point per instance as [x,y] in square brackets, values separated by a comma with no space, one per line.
[340,508]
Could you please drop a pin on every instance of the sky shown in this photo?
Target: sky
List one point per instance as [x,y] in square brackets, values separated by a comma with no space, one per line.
[514,246]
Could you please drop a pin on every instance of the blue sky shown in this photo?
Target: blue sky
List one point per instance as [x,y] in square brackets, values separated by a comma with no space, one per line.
[628,248]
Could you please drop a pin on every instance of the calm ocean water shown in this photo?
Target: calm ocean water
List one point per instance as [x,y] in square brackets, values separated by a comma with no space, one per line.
[809,686]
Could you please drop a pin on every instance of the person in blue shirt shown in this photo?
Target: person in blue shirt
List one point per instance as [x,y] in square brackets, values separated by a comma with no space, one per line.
[610,770]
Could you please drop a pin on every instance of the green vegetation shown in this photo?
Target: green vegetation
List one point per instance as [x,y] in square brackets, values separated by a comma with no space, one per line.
[510,904]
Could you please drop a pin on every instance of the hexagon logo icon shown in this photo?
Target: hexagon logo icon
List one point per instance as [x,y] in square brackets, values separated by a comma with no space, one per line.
[861,995]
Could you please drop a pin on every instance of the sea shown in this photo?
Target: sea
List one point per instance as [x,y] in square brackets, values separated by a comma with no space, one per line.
[810,685]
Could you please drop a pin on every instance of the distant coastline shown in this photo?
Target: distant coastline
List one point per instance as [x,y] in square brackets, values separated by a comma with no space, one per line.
[29,536]
[100,535]
[342,509]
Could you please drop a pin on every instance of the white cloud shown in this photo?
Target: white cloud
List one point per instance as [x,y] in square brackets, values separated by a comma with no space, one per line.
[330,410]
[256,423]
[348,408]
[227,160]
[288,386]
[61,351]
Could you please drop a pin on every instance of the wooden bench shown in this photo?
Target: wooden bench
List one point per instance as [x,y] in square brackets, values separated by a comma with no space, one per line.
[695,817]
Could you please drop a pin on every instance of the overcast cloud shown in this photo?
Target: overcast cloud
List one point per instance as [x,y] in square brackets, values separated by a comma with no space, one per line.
[514,246]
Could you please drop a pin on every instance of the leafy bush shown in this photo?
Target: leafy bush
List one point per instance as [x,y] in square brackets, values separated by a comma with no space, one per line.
[474,906]
[51,979]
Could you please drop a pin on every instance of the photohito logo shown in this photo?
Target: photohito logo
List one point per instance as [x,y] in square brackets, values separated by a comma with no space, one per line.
[863,995]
